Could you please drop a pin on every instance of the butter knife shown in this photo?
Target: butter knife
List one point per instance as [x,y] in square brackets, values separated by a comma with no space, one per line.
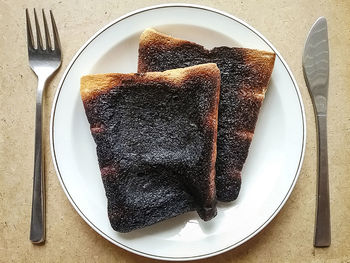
[316,74]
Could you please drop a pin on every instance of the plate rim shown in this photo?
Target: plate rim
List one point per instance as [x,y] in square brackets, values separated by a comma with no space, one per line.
[52,143]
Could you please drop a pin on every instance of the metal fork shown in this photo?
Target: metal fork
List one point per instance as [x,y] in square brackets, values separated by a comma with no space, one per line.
[44,62]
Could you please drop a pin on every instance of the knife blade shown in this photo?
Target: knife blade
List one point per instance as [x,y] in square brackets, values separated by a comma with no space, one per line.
[316,74]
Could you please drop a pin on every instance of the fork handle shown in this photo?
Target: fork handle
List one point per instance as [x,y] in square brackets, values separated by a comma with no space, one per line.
[323,224]
[37,225]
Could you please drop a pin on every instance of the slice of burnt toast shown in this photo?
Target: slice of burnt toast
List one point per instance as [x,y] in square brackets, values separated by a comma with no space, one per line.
[245,74]
[156,142]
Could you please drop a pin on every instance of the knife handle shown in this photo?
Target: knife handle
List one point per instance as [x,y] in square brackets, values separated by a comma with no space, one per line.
[323,224]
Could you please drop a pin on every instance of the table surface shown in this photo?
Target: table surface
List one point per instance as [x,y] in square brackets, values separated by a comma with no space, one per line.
[288,238]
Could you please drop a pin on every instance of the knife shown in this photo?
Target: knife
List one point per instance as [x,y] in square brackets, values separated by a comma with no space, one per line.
[316,74]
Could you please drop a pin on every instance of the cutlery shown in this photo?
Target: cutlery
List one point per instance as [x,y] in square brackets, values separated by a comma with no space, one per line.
[316,74]
[44,61]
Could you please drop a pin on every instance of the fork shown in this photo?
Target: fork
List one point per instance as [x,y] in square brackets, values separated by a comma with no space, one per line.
[44,62]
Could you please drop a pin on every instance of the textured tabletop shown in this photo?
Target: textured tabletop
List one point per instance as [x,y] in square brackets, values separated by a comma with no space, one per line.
[288,238]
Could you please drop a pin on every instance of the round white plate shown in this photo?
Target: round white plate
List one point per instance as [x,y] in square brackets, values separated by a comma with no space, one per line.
[269,174]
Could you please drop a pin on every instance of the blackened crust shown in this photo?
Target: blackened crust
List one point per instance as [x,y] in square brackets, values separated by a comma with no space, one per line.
[156,142]
[245,74]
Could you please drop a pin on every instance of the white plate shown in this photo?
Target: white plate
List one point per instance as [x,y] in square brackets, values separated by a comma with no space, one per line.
[269,174]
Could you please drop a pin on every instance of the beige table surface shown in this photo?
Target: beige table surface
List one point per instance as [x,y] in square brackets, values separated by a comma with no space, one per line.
[288,238]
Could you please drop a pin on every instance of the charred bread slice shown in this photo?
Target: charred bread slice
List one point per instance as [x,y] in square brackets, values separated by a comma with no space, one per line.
[156,142]
[245,75]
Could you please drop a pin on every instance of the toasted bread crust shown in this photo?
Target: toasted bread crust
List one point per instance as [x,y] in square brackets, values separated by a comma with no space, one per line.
[94,85]
[245,74]
[150,37]
[262,63]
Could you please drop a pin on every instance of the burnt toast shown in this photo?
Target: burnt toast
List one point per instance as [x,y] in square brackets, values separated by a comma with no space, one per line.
[155,136]
[245,75]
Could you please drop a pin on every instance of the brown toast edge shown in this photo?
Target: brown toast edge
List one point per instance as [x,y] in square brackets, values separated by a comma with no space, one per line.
[93,85]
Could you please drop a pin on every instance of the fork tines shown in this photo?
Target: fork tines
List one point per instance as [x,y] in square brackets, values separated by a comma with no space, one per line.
[39,43]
